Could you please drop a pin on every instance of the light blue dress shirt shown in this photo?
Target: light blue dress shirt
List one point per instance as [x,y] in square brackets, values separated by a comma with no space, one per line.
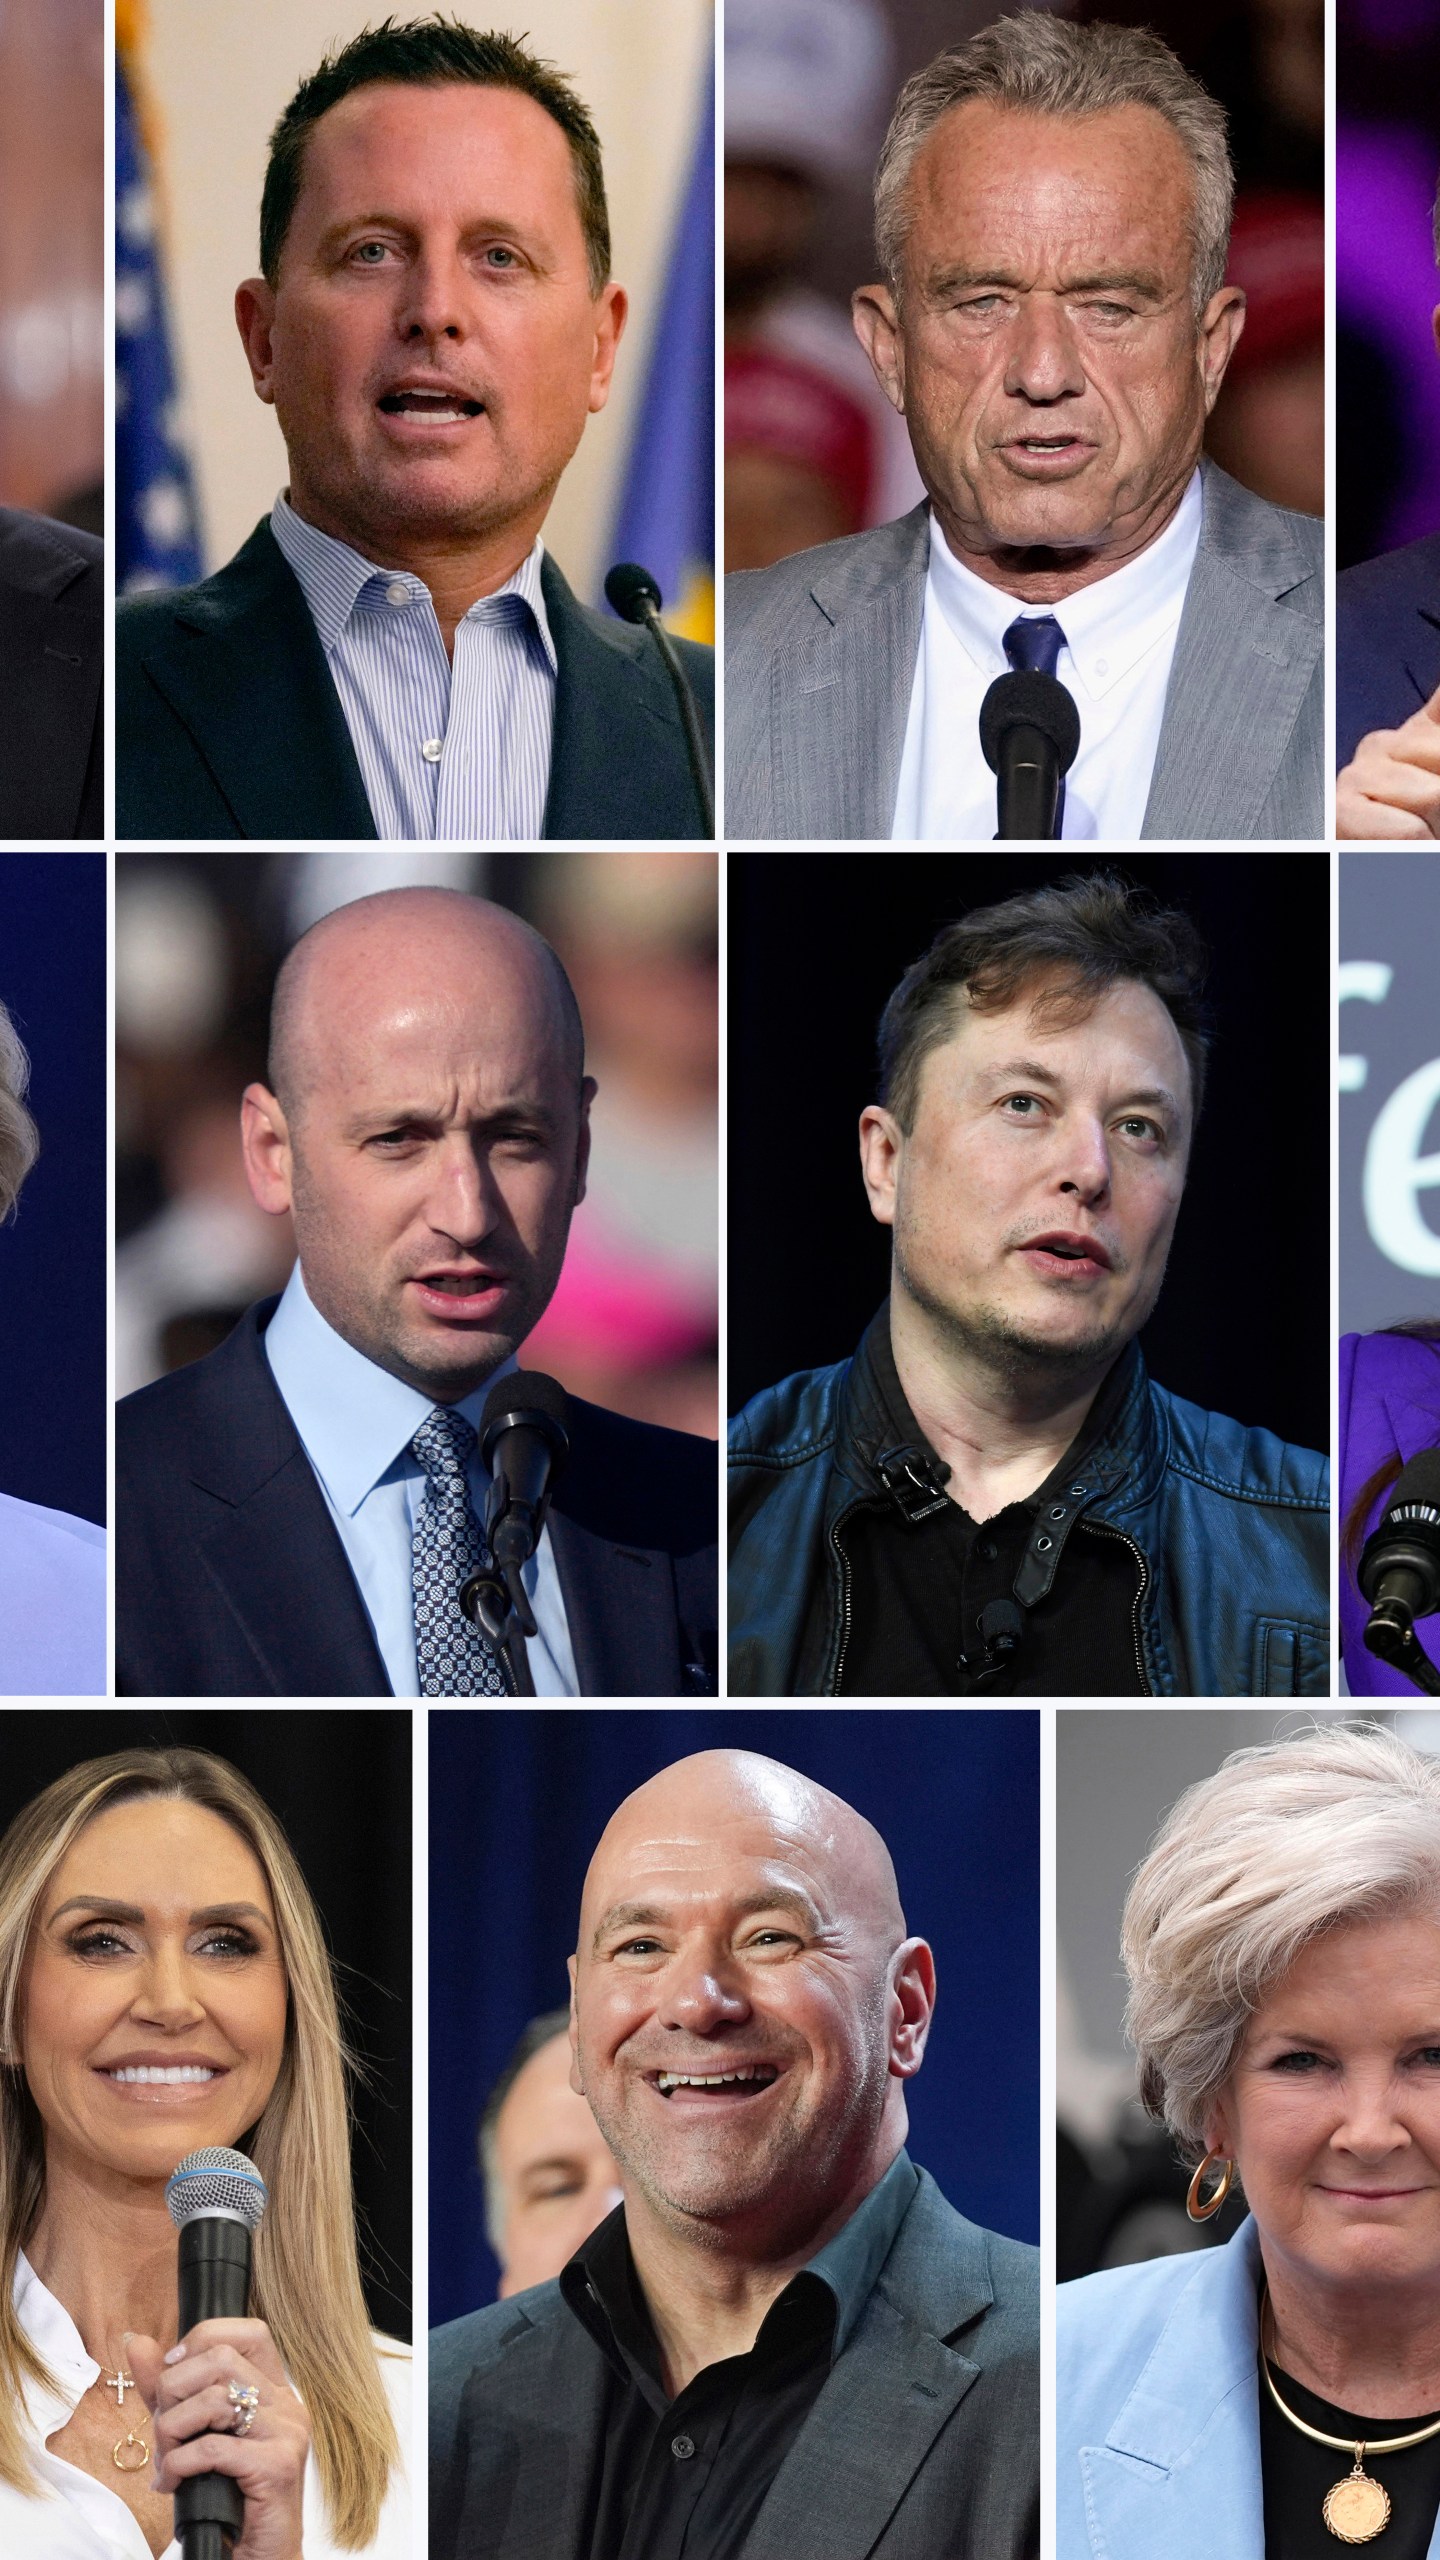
[452,752]
[356,1424]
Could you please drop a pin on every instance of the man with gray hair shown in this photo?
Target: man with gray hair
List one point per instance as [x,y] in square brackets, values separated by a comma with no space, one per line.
[1052,209]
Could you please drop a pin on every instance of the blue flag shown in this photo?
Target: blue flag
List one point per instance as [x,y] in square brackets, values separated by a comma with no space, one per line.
[157,542]
[666,518]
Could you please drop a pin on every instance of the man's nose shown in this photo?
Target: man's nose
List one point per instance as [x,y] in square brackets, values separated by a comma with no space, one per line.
[436,302]
[1043,362]
[462,1199]
[1084,1166]
[703,1992]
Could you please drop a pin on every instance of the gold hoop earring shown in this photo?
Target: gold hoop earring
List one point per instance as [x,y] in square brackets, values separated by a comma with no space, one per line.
[1197,2211]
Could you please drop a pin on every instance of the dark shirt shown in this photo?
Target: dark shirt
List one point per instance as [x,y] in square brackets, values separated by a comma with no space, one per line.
[1298,2476]
[685,2479]
[921,1584]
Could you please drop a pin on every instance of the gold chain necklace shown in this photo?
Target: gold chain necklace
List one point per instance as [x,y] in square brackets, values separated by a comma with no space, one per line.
[131,2452]
[1357,2508]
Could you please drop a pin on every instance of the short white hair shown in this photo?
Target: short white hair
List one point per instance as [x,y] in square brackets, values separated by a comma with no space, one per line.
[19,1137]
[1043,65]
[1284,1842]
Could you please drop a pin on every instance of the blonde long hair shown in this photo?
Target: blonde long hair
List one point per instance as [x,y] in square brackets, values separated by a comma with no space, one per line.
[307,2275]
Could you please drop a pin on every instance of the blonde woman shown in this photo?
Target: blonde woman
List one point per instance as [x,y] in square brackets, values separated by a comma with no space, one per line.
[52,1565]
[164,1986]
[1280,2396]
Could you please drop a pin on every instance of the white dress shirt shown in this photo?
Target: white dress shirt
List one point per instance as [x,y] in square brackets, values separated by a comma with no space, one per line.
[455,751]
[356,1423]
[1119,643]
[77,2517]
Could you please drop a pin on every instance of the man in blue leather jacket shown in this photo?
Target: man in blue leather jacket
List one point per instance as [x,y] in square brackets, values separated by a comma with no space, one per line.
[992,1498]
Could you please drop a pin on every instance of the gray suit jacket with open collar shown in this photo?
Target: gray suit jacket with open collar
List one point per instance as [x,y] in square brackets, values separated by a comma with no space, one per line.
[924,2442]
[820,662]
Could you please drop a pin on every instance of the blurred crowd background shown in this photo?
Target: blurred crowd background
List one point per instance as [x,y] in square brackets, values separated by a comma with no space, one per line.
[198,941]
[1120,2184]
[52,258]
[199,86]
[1387,378]
[812,449]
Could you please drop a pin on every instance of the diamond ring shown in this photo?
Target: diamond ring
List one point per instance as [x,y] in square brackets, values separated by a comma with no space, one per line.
[244,2399]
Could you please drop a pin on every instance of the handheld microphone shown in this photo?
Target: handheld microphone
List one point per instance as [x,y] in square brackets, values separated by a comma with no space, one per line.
[631,592]
[216,2198]
[1030,734]
[1399,1571]
[524,1443]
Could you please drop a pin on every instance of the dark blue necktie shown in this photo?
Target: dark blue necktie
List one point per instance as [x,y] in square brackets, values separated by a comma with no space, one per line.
[1032,645]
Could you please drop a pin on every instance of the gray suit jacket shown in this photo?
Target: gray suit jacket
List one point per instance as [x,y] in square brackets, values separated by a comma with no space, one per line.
[924,2443]
[820,658]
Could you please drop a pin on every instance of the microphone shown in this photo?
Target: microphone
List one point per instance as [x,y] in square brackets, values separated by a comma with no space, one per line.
[1030,733]
[217,2199]
[1399,1570]
[524,1443]
[631,592]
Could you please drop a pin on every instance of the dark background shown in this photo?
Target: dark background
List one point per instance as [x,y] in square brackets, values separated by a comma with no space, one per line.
[1387,378]
[517,1803]
[52,1259]
[817,942]
[344,1799]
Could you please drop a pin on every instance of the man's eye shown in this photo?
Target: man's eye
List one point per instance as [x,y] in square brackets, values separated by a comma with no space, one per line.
[1023,1105]
[500,256]
[1140,1128]
[369,253]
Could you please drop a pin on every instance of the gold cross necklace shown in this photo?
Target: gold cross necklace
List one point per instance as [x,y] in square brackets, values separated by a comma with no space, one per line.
[131,2452]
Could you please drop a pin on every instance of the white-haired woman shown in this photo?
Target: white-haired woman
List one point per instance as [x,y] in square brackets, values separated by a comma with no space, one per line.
[52,1565]
[1280,2396]
[164,1987]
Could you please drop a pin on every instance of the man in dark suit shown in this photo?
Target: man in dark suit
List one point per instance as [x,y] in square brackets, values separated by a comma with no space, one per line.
[297,1513]
[393,654]
[52,662]
[785,2343]
[1387,710]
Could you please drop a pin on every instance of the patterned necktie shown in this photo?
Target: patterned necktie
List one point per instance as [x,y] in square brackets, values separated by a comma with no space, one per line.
[453,1658]
[1032,645]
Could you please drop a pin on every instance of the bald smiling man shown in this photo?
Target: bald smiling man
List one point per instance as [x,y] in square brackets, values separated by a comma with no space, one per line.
[785,2344]
[290,1507]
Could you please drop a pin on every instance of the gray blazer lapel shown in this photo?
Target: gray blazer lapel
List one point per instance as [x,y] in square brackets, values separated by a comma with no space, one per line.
[886,2400]
[1240,685]
[842,699]
[531,2423]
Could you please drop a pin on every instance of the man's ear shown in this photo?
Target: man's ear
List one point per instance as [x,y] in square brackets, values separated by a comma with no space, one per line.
[881,1142]
[582,1144]
[1221,322]
[877,326]
[255,320]
[265,1139]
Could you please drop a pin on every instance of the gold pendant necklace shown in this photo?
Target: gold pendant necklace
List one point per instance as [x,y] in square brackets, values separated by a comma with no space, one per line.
[1357,2508]
[131,2452]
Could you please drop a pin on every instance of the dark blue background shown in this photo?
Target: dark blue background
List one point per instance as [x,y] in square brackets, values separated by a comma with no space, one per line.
[52,1259]
[518,1799]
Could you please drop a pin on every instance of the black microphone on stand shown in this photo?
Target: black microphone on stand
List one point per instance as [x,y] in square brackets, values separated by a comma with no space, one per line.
[1030,733]
[524,1443]
[1399,1571]
[217,2199]
[631,592]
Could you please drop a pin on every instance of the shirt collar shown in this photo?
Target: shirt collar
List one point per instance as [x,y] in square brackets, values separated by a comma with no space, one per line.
[338,582]
[57,2342]
[1108,626]
[355,1419]
[603,2290]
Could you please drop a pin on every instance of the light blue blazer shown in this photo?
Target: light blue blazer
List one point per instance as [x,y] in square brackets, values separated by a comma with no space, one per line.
[1157,2411]
[52,1603]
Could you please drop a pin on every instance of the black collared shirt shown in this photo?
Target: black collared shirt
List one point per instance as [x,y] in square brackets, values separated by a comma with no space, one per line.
[925,1592]
[685,2479]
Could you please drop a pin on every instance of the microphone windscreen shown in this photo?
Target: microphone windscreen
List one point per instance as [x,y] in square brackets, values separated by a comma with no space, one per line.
[1025,699]
[631,592]
[216,2182]
[1417,1483]
[524,1391]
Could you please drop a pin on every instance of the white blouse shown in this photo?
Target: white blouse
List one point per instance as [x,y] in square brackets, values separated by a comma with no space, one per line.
[76,2517]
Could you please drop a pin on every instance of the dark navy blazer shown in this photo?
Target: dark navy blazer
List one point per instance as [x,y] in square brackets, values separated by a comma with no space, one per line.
[52,663]
[227,721]
[231,1580]
[1387,641]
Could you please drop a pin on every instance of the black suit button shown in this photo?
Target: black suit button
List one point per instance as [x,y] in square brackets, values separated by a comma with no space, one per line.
[682,2447]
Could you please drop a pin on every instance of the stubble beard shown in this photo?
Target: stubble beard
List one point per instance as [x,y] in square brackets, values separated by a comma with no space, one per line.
[1010,1350]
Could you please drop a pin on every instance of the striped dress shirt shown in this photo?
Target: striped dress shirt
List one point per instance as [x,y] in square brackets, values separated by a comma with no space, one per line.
[447,752]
